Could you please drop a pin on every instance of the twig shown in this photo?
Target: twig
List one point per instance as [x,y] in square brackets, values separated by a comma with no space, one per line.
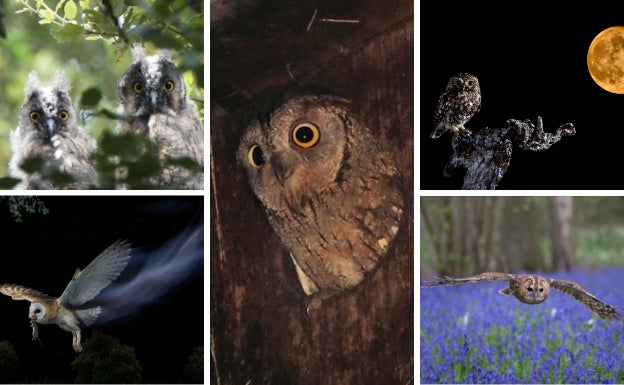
[289,71]
[346,21]
[312,19]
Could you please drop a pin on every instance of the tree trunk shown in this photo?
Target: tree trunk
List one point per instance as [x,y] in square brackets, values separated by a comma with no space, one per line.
[561,212]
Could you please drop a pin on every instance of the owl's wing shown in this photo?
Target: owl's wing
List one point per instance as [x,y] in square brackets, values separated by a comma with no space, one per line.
[18,292]
[444,280]
[88,283]
[575,290]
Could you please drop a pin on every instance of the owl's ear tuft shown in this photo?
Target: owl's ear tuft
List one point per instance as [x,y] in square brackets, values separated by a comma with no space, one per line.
[138,52]
[166,54]
[61,82]
[32,84]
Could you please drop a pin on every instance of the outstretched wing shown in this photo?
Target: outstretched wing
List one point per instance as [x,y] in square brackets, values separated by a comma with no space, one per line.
[18,292]
[104,269]
[444,280]
[604,310]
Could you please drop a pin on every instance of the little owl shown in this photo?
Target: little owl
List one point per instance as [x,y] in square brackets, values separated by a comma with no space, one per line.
[457,105]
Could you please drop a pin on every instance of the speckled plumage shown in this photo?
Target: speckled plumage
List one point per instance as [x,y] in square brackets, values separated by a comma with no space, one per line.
[458,103]
[154,99]
[330,190]
[47,128]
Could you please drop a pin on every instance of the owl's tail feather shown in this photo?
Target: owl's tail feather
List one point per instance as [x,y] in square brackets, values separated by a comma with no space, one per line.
[88,316]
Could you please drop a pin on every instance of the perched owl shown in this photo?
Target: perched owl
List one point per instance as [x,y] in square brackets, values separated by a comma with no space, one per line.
[47,128]
[66,310]
[534,289]
[457,104]
[330,190]
[155,105]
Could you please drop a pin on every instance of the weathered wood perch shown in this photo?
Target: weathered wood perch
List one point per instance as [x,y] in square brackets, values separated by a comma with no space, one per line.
[485,154]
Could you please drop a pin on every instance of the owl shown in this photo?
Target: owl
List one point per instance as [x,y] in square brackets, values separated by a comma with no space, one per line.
[457,105]
[47,128]
[330,190]
[154,104]
[66,311]
[533,289]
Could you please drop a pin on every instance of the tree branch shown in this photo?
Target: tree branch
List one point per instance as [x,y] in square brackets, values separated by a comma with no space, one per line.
[486,154]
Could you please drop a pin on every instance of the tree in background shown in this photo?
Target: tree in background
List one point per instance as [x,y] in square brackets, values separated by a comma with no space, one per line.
[463,236]
[194,369]
[90,41]
[8,362]
[105,360]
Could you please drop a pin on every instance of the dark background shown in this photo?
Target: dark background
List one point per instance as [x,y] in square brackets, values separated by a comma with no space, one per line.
[531,60]
[43,252]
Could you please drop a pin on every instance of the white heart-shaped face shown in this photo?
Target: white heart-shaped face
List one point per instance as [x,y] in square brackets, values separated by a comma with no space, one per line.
[36,311]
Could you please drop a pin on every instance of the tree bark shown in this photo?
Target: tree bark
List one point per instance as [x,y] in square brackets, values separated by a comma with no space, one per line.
[561,213]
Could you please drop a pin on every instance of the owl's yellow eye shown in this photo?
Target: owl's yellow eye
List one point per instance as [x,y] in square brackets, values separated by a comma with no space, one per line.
[63,115]
[138,87]
[169,85]
[306,135]
[255,156]
[34,116]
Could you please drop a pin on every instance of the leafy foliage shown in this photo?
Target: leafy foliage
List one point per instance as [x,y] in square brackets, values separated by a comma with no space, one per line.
[8,362]
[194,369]
[90,41]
[105,360]
[20,203]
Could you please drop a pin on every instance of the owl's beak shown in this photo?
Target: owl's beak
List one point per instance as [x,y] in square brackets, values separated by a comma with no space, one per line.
[283,166]
[51,127]
[154,99]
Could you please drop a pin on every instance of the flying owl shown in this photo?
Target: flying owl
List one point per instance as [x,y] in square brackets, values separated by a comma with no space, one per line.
[83,287]
[47,128]
[457,105]
[330,190]
[155,105]
[533,289]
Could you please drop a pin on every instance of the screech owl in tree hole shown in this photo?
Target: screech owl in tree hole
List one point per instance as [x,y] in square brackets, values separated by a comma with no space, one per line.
[330,190]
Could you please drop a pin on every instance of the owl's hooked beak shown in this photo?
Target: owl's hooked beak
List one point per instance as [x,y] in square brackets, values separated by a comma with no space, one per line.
[51,126]
[154,99]
[283,166]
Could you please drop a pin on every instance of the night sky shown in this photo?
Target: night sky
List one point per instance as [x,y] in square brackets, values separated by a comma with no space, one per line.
[530,59]
[43,252]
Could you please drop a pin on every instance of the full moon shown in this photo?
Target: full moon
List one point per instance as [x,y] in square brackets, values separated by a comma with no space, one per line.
[605,59]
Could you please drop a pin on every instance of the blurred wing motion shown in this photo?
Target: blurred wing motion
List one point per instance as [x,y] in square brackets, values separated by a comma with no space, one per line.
[444,280]
[575,290]
[88,283]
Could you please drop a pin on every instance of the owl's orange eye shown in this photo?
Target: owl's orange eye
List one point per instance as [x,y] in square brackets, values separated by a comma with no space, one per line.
[63,115]
[255,156]
[306,135]
[34,116]
[169,85]
[138,87]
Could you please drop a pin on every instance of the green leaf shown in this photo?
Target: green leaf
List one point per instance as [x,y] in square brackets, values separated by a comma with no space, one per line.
[70,10]
[90,98]
[31,165]
[66,33]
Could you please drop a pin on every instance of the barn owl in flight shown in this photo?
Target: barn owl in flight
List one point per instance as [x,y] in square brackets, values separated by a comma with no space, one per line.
[83,287]
[534,289]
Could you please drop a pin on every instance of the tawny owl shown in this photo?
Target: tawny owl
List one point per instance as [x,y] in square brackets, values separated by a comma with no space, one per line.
[457,105]
[47,128]
[155,104]
[330,190]
[534,289]
[66,310]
